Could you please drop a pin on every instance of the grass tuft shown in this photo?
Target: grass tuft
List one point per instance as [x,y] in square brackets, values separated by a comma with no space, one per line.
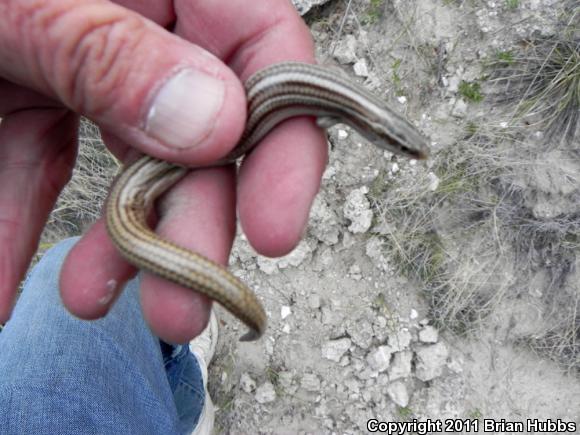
[512,4]
[562,343]
[505,56]
[471,91]
[374,11]
[542,80]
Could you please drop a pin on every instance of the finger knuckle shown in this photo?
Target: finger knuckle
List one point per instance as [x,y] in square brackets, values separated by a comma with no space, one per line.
[91,57]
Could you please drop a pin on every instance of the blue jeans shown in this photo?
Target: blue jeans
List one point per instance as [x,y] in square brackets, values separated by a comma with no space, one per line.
[62,375]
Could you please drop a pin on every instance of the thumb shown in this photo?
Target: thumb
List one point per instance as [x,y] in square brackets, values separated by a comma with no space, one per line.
[148,87]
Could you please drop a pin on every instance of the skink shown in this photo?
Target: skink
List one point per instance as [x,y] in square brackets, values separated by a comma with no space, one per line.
[274,94]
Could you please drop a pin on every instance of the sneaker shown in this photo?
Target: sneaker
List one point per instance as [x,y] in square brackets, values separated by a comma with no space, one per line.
[203,348]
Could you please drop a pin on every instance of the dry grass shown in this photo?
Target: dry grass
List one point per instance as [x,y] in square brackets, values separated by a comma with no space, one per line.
[541,81]
[436,237]
[475,242]
[80,203]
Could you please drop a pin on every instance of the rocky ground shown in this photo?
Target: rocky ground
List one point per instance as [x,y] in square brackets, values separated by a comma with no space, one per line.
[352,337]
[421,291]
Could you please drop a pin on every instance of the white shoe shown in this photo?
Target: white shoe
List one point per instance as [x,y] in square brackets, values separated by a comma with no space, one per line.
[203,348]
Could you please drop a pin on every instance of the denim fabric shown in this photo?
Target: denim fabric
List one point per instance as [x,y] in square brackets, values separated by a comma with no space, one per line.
[62,375]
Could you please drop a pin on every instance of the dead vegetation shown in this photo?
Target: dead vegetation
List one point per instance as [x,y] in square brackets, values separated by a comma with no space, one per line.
[80,203]
[489,233]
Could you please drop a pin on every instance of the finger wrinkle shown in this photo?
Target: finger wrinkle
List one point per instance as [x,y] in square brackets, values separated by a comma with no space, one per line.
[79,49]
[31,40]
[97,63]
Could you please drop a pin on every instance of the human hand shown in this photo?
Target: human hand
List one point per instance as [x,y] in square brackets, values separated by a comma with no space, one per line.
[61,58]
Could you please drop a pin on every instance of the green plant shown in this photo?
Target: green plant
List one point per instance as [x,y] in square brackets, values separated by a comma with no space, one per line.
[273,376]
[379,185]
[395,72]
[505,56]
[374,11]
[471,129]
[512,4]
[471,91]
[396,77]
[380,304]
[475,414]
[405,413]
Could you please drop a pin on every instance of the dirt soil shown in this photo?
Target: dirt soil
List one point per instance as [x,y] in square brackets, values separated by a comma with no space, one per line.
[351,336]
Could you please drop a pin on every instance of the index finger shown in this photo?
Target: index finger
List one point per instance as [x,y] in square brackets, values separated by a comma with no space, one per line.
[279,180]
